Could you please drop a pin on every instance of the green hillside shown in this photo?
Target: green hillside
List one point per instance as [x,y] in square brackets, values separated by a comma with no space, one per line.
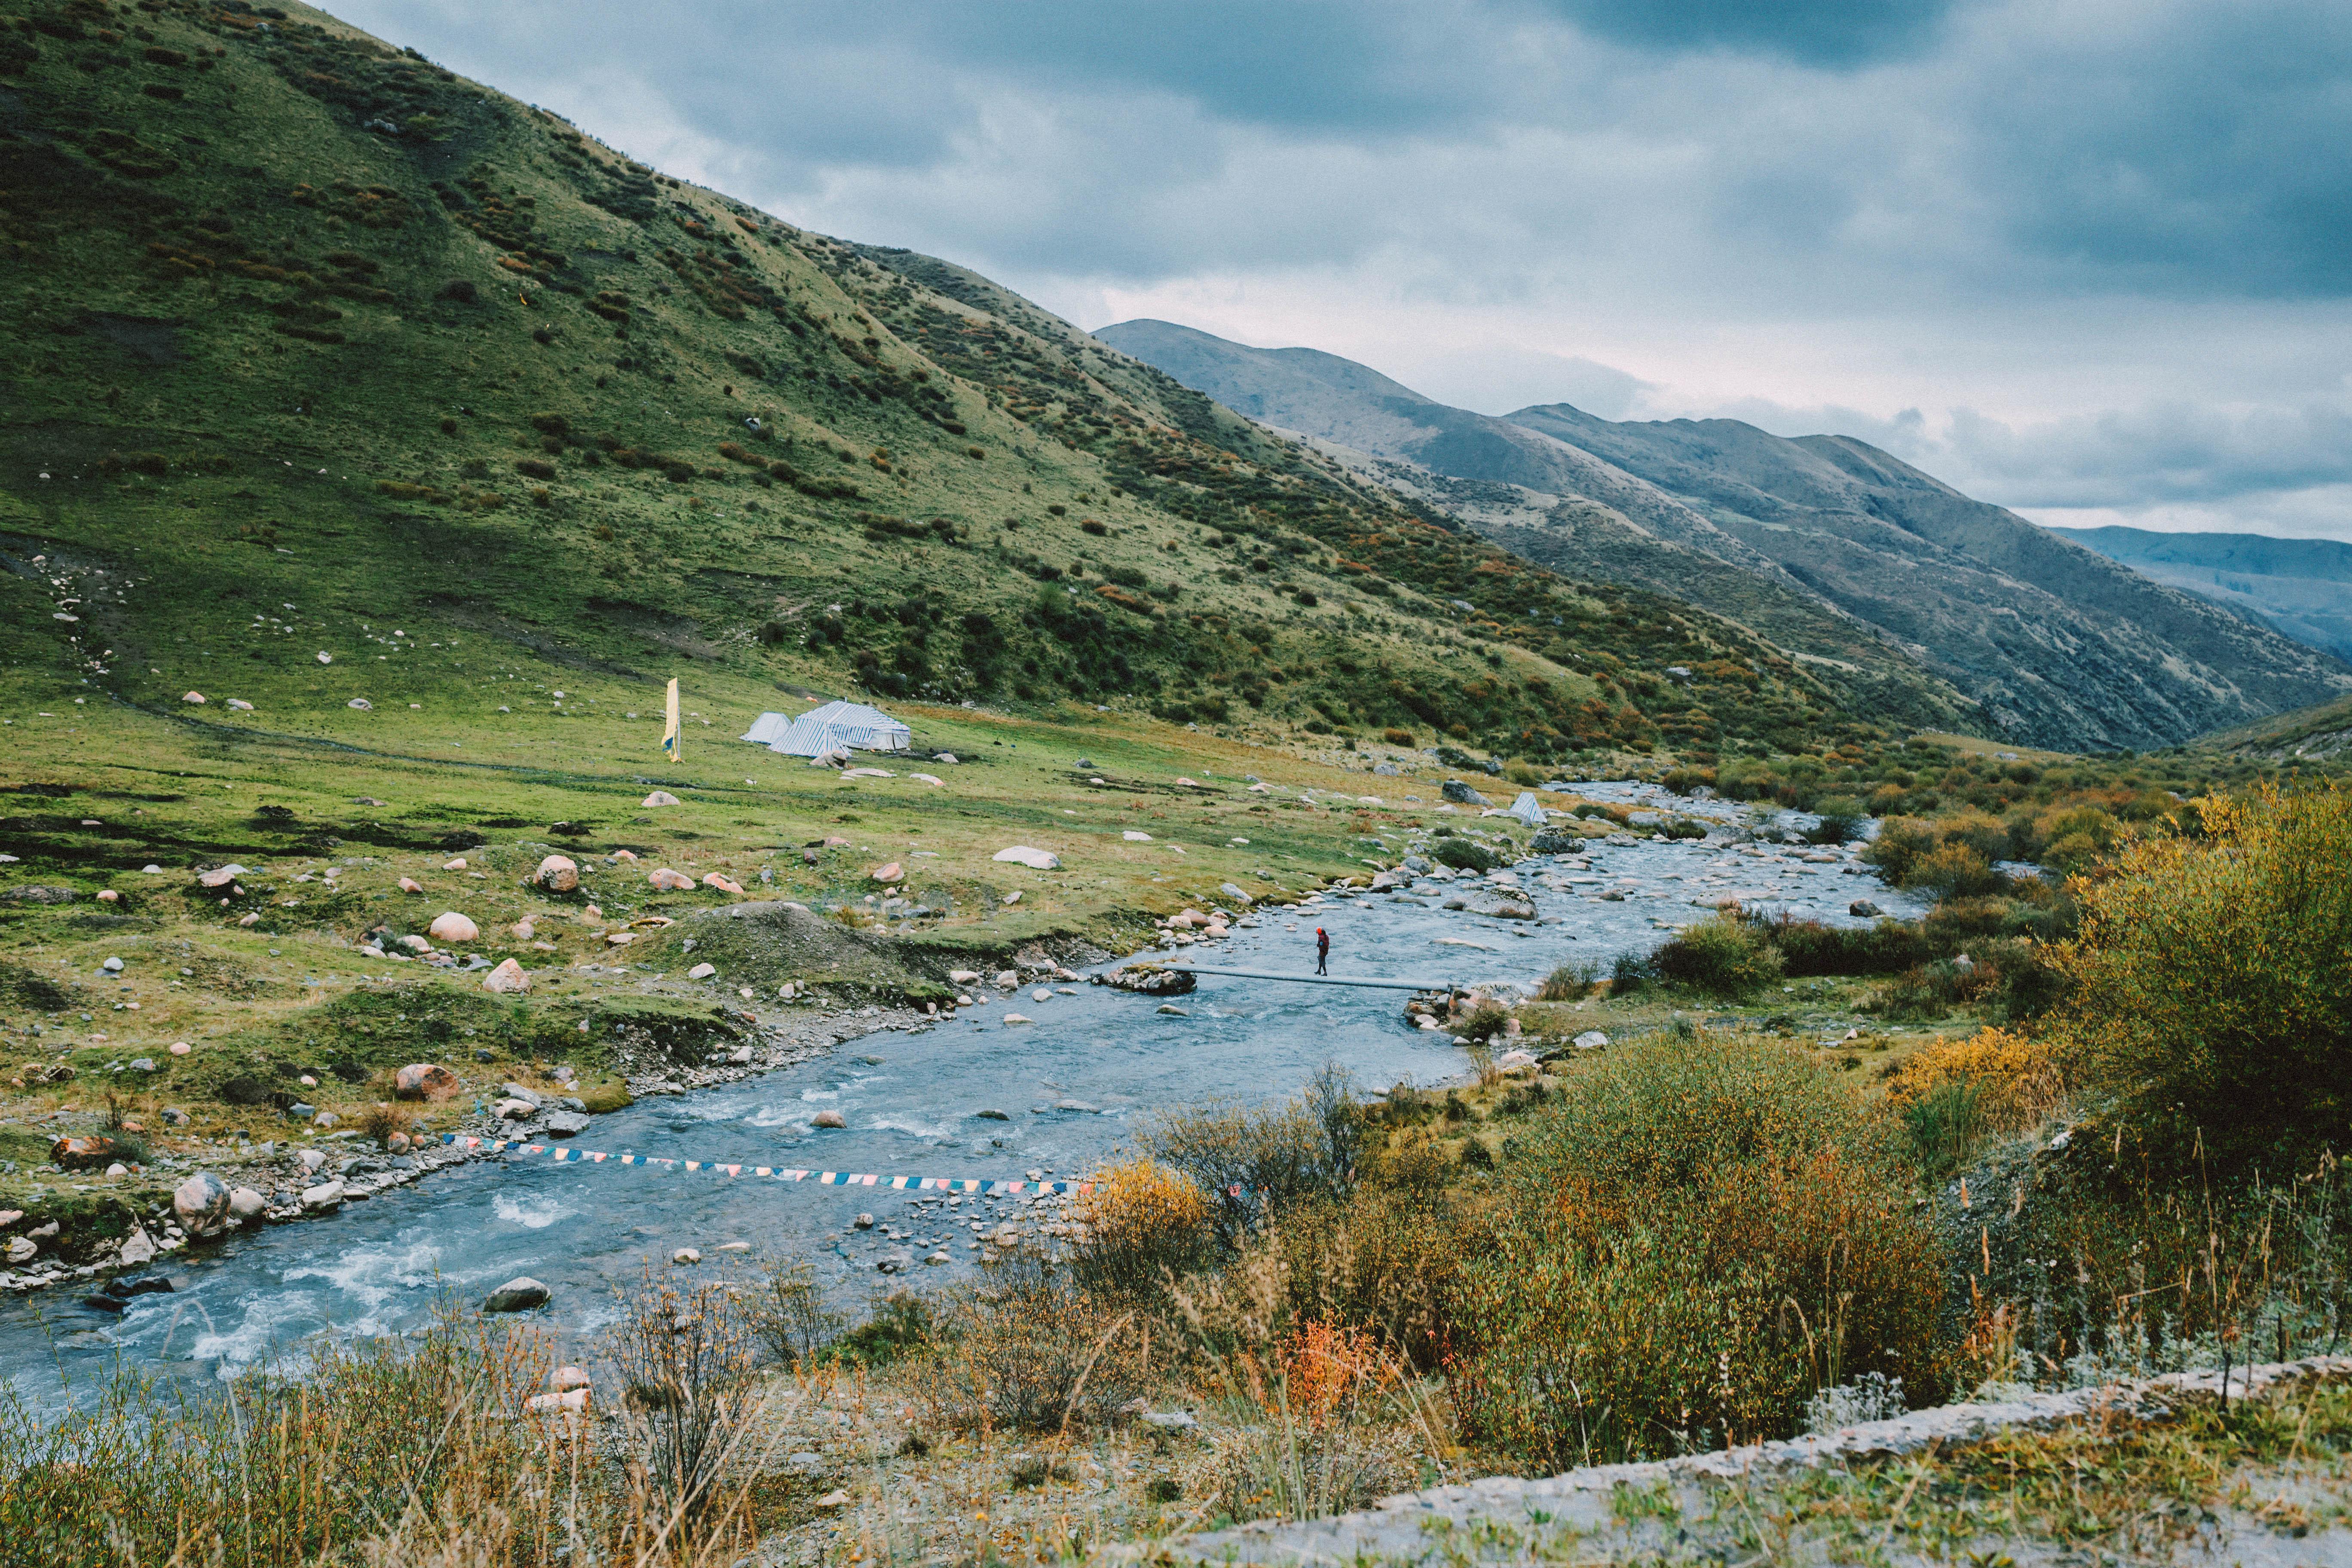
[301,320]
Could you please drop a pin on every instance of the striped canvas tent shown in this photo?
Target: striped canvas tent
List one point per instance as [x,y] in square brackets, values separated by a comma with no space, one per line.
[835,727]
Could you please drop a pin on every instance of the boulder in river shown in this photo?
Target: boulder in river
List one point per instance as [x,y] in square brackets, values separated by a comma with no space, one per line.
[1151,980]
[520,1294]
[566,1124]
[427,1081]
[1495,903]
[556,874]
[828,1119]
[1556,841]
[508,977]
[201,1203]
[1863,909]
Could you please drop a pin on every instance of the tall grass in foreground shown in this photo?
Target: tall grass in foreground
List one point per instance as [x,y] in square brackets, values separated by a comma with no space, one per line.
[415,1454]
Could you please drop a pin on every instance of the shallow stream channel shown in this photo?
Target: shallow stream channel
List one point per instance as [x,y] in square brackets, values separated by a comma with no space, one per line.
[1071,1088]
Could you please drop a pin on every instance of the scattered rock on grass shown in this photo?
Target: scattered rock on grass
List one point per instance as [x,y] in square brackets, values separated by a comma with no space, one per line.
[508,977]
[426,1081]
[557,874]
[451,926]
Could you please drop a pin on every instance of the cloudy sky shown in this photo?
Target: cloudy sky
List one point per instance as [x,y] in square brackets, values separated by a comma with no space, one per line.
[2091,259]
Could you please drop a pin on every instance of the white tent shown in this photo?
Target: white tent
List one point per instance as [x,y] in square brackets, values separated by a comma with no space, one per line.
[837,726]
[766,728]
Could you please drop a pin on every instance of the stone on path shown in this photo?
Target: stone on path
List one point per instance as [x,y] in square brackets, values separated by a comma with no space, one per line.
[557,874]
[508,977]
[1036,860]
[516,1295]
[426,1081]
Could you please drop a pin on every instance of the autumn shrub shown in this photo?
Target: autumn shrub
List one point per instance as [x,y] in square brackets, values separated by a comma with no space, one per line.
[1809,947]
[1146,1225]
[1952,1093]
[1253,1163]
[1028,1350]
[1701,1235]
[1722,955]
[2213,980]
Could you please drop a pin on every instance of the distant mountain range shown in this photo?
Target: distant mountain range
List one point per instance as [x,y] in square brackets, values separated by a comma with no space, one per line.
[2302,586]
[1850,559]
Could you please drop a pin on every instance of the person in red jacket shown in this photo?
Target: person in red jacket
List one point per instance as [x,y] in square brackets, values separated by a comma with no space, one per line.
[1322,951]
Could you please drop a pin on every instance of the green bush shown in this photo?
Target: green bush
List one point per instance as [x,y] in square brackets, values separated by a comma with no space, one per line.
[1706,1233]
[1842,818]
[1255,1162]
[1463,855]
[1810,947]
[1723,956]
[2213,980]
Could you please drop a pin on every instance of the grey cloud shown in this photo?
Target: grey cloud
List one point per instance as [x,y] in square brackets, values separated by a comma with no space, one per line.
[1837,33]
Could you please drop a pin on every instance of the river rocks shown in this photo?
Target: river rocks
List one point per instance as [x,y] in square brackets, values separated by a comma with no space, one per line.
[963,976]
[1018,1018]
[1495,903]
[556,874]
[451,926]
[1036,860]
[1235,892]
[1555,841]
[508,978]
[1864,908]
[666,880]
[427,1081]
[325,1197]
[659,797]
[1461,793]
[993,1114]
[1173,1011]
[512,1109]
[309,1159]
[520,1294]
[201,1203]
[566,1124]
[865,1222]
[94,1153]
[22,1249]
[936,1258]
[245,1203]
[686,1254]
[702,972]
[1149,980]
[828,1119]
[895,1262]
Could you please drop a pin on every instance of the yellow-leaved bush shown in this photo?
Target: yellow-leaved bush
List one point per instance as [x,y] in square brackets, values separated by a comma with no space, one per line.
[2213,979]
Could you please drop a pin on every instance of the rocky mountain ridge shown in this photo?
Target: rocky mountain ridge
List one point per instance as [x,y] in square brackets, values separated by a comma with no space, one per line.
[1836,551]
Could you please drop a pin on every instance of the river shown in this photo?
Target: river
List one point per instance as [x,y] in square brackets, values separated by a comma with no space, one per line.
[910,1100]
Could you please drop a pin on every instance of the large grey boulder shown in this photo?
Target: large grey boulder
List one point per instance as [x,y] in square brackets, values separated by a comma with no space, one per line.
[1495,903]
[520,1294]
[1461,793]
[1554,841]
[201,1203]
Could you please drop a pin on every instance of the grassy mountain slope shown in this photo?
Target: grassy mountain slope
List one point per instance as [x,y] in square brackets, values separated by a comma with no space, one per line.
[2059,648]
[2303,587]
[302,319]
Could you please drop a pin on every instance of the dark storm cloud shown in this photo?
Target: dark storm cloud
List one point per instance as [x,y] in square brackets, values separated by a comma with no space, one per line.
[1816,32]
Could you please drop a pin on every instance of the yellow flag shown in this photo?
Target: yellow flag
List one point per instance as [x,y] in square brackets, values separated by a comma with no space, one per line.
[671,731]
